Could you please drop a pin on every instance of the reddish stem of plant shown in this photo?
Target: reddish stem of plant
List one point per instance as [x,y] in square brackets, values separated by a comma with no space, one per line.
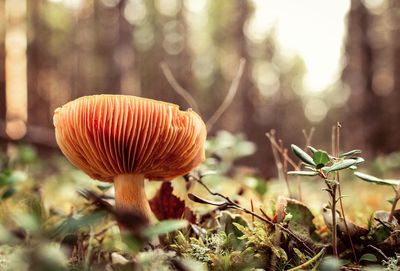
[395,201]
[334,223]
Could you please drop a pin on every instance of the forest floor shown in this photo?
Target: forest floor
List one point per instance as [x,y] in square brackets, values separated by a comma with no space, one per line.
[54,217]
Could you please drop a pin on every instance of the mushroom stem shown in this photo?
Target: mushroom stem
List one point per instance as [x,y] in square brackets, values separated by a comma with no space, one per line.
[131,197]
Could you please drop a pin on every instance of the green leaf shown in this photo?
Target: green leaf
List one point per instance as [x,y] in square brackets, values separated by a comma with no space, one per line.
[164,227]
[27,221]
[366,177]
[72,225]
[330,263]
[257,184]
[350,153]
[302,155]
[373,179]
[27,154]
[321,158]
[391,200]
[346,163]
[197,199]
[8,177]
[312,149]
[369,257]
[303,173]
[8,193]
[261,187]
[359,160]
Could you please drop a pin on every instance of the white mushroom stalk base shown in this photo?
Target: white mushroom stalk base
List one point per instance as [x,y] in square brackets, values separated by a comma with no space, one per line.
[131,197]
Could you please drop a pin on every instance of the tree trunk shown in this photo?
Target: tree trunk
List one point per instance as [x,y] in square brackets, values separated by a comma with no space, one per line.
[364,106]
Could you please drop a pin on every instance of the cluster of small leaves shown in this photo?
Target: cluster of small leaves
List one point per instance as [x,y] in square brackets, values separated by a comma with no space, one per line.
[253,247]
[216,250]
[323,163]
[392,263]
[9,182]
[259,239]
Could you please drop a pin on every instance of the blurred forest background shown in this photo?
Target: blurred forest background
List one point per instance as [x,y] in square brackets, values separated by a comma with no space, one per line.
[53,51]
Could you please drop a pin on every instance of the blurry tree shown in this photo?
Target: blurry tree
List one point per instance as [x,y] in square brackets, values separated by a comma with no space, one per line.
[2,64]
[394,97]
[85,47]
[372,72]
[267,98]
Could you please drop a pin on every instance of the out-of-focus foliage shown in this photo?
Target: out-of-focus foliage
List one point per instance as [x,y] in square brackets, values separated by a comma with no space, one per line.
[47,224]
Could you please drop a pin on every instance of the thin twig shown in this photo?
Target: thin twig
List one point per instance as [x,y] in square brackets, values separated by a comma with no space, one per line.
[265,214]
[229,97]
[379,251]
[278,147]
[252,209]
[308,137]
[285,170]
[280,167]
[332,191]
[338,126]
[232,205]
[282,152]
[178,88]
[394,204]
[309,262]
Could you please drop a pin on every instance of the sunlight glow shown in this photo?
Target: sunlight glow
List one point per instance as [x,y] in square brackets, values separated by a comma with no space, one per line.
[313,29]
[16,68]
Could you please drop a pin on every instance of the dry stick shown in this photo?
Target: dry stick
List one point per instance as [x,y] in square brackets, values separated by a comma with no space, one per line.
[285,170]
[338,126]
[308,138]
[394,204]
[264,214]
[281,172]
[178,88]
[252,209]
[278,148]
[231,204]
[332,192]
[286,159]
[379,251]
[229,97]
[309,262]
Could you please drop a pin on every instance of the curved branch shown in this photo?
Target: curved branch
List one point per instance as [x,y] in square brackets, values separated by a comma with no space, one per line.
[178,88]
[229,97]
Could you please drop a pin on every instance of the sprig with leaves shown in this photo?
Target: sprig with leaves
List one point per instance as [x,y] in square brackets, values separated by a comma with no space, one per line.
[395,184]
[326,167]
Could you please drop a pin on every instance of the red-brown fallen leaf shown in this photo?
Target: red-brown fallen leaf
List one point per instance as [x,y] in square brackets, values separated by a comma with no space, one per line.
[166,205]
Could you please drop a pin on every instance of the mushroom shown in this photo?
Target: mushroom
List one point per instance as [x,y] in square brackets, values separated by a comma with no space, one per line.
[127,139]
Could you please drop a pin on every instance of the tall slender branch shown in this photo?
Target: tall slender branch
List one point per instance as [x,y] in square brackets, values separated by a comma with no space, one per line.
[229,97]
[338,126]
[281,167]
[178,88]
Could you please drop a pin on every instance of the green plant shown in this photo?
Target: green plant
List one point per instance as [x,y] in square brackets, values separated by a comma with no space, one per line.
[327,167]
[395,184]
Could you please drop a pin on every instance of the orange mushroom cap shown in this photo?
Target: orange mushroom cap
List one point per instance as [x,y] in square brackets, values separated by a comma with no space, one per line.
[110,135]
